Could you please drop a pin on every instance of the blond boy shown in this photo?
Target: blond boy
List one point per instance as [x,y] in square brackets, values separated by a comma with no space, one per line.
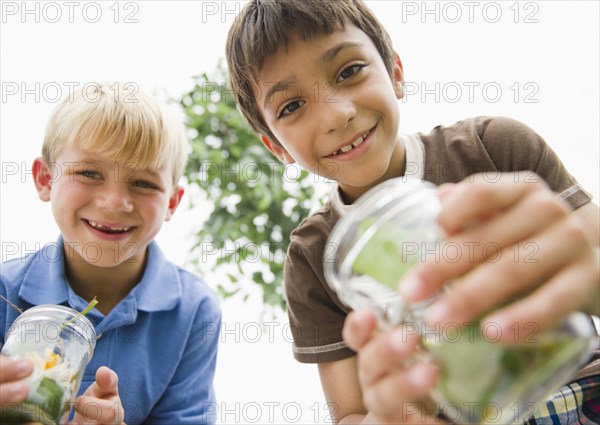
[110,166]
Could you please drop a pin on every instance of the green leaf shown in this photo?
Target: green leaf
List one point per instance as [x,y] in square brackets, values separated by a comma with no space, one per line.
[385,256]
[52,395]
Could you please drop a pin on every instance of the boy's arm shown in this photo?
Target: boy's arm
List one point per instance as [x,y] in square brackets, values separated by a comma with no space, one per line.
[318,321]
[341,388]
[189,398]
[512,147]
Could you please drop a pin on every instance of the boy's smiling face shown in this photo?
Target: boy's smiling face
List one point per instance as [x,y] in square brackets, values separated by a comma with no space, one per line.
[333,106]
[108,211]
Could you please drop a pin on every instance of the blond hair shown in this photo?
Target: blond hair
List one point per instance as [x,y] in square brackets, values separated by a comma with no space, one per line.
[121,122]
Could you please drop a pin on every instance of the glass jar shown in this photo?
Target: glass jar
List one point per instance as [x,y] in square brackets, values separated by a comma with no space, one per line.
[60,342]
[391,228]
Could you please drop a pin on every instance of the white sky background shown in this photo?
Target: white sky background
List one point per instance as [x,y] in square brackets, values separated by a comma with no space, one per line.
[535,61]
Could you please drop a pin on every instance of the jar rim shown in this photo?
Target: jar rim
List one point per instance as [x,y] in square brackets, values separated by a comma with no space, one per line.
[84,326]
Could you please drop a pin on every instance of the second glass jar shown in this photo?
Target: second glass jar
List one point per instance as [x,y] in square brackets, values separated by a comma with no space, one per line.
[60,342]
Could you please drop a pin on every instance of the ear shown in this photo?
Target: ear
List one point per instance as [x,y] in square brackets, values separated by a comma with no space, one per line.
[174,201]
[42,178]
[398,77]
[277,150]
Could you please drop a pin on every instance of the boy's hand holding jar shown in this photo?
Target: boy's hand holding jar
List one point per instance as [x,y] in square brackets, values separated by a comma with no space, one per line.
[536,344]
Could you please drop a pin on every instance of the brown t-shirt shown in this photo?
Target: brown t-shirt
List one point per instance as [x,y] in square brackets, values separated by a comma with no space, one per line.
[488,145]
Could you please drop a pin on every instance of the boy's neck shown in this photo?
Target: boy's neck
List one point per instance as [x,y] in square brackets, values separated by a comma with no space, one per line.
[109,285]
[397,168]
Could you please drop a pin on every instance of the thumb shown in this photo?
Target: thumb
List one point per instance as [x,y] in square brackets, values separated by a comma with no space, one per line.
[446,190]
[359,327]
[106,383]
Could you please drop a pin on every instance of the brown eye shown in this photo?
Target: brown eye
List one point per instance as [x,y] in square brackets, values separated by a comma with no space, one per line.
[290,108]
[350,71]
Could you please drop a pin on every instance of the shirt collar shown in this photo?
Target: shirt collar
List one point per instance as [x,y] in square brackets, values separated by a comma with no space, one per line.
[160,287]
[45,281]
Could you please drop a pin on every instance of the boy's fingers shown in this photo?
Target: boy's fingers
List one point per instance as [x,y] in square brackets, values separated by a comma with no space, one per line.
[107,383]
[523,319]
[358,328]
[387,352]
[100,404]
[13,392]
[92,410]
[480,197]
[410,385]
[516,271]
[486,243]
[12,370]
[445,190]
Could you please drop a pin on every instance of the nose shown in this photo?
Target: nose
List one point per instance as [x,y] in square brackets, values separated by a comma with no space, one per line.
[336,113]
[115,198]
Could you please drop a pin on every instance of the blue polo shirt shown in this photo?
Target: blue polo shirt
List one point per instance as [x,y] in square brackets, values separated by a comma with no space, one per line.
[161,339]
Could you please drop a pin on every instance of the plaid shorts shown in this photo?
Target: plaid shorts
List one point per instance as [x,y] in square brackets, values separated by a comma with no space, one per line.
[574,403]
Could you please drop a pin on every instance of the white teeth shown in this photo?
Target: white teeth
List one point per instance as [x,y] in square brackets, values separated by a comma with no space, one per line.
[354,144]
[358,141]
[116,229]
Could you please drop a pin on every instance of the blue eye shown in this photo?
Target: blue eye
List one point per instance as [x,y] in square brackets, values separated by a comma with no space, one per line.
[90,174]
[142,184]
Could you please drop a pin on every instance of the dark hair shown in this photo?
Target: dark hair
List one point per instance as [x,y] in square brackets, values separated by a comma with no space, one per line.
[265,25]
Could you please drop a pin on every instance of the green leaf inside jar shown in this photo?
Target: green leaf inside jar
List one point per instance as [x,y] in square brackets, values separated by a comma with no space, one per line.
[52,394]
[389,253]
[45,405]
[478,374]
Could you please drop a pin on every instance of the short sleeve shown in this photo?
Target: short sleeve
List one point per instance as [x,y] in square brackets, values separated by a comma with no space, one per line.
[513,146]
[316,315]
[494,145]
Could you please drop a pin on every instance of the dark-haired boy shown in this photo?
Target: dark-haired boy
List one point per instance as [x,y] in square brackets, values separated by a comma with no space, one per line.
[320,83]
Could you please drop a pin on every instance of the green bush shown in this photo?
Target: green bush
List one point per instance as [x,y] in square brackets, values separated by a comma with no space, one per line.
[257,200]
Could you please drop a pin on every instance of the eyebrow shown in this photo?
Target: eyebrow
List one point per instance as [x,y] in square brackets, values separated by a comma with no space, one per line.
[331,53]
[90,162]
[152,173]
[277,87]
[328,56]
